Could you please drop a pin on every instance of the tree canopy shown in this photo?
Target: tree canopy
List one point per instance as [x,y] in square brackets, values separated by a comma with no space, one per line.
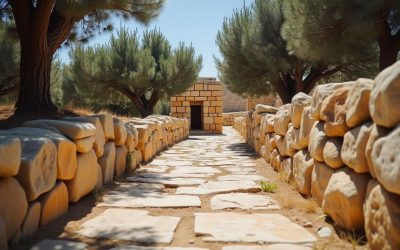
[143,71]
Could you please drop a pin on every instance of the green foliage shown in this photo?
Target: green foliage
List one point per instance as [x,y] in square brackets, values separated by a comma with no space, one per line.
[9,61]
[268,187]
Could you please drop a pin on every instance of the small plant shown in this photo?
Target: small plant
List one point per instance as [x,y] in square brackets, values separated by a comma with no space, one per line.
[354,238]
[269,187]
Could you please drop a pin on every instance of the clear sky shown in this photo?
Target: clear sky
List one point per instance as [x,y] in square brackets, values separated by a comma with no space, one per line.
[190,21]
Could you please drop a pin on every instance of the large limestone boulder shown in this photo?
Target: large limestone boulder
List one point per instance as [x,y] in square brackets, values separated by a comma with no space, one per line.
[107,162]
[299,102]
[147,152]
[106,121]
[85,178]
[269,123]
[131,137]
[281,145]
[13,205]
[73,130]
[333,112]
[332,151]
[262,108]
[321,174]
[54,203]
[120,160]
[275,159]
[84,145]
[281,121]
[306,123]
[139,157]
[289,141]
[382,217]
[353,149]
[32,219]
[344,198]
[10,156]
[293,135]
[384,101]
[376,133]
[120,133]
[100,140]
[386,160]
[143,135]
[287,169]
[357,111]
[303,165]
[317,141]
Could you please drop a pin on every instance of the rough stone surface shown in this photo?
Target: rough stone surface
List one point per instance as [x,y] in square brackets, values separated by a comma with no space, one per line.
[132,225]
[13,205]
[344,197]
[85,178]
[131,137]
[268,228]
[242,201]
[167,180]
[306,123]
[382,217]
[376,133]
[262,108]
[10,156]
[357,111]
[193,170]
[59,245]
[303,165]
[332,151]
[107,162]
[269,247]
[289,140]
[84,145]
[320,177]
[281,121]
[32,219]
[120,160]
[99,183]
[119,132]
[147,152]
[241,177]
[299,102]
[354,146]
[384,101]
[131,247]
[54,203]
[317,142]
[386,160]
[106,121]
[286,169]
[214,187]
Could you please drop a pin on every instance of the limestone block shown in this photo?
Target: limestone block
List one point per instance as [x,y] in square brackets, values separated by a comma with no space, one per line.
[344,197]
[73,130]
[288,141]
[84,145]
[54,203]
[299,102]
[10,156]
[99,183]
[332,152]
[3,235]
[376,133]
[286,168]
[353,149]
[274,159]
[382,217]
[131,162]
[303,165]
[281,121]
[321,174]
[333,112]
[384,101]
[386,160]
[106,121]
[120,160]
[139,157]
[98,145]
[119,132]
[264,153]
[85,178]
[317,142]
[147,152]
[306,123]
[280,145]
[32,219]
[131,137]
[66,149]
[270,142]
[357,110]
[107,162]
[295,138]
[262,108]
[13,205]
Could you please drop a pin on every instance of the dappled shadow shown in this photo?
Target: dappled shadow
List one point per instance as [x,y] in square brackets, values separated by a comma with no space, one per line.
[242,149]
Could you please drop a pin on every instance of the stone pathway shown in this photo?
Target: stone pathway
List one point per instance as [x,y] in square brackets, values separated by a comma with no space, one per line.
[200,194]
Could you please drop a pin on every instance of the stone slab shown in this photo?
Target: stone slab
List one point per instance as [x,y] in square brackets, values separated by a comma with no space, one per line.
[242,201]
[156,248]
[168,181]
[132,225]
[235,227]
[241,177]
[195,170]
[214,187]
[269,247]
[59,245]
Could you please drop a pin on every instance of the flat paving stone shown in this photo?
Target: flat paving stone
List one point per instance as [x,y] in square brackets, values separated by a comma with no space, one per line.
[250,228]
[242,201]
[168,181]
[195,170]
[59,245]
[156,248]
[132,225]
[241,177]
[215,187]
[269,247]
[153,169]
[174,175]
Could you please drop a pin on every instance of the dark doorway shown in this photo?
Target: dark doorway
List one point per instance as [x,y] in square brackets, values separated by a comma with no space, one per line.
[195,117]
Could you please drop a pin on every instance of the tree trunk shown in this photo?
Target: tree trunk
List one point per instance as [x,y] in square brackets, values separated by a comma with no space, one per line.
[387,55]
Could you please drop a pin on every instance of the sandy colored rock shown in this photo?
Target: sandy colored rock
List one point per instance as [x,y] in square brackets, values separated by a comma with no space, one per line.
[119,132]
[386,160]
[85,178]
[384,101]
[54,203]
[132,225]
[10,156]
[303,165]
[332,152]
[281,121]
[344,197]
[32,219]
[132,247]
[120,160]
[13,205]
[317,142]
[357,110]
[262,108]
[299,102]
[289,141]
[139,157]
[286,169]
[107,162]
[281,145]
[382,217]
[306,123]
[166,180]
[376,133]
[84,145]
[147,152]
[215,187]
[242,201]
[321,174]
[269,123]
[106,121]
[99,183]
[354,147]
[131,137]
[59,245]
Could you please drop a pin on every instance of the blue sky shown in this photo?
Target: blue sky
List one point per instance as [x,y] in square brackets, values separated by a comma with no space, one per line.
[189,21]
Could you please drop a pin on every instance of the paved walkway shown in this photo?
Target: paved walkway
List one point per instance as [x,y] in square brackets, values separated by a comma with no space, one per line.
[203,193]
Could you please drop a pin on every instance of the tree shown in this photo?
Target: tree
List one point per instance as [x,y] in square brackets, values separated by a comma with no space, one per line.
[44,25]
[256,61]
[9,60]
[142,71]
[342,28]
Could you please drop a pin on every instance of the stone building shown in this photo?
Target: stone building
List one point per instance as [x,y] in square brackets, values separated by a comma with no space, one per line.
[233,102]
[202,104]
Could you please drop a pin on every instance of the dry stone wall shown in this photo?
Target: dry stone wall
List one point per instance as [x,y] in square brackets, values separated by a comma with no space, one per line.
[48,164]
[229,118]
[342,147]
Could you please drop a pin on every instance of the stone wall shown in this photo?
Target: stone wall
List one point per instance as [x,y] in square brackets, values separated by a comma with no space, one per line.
[48,164]
[233,102]
[342,147]
[229,118]
[267,100]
